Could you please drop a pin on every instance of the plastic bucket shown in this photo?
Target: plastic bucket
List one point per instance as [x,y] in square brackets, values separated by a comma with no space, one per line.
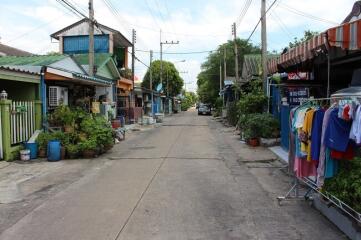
[33,147]
[25,155]
[54,151]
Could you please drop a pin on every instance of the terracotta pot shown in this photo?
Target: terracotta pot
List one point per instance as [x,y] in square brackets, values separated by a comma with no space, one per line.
[68,129]
[42,153]
[89,153]
[254,142]
[116,123]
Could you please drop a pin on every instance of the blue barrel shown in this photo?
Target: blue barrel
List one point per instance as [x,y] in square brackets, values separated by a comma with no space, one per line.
[54,150]
[33,147]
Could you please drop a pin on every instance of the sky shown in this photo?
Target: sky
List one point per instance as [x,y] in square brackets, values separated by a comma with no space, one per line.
[198,25]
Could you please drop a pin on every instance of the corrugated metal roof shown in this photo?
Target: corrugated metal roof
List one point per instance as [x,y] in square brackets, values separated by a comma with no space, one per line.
[100,58]
[36,60]
[34,71]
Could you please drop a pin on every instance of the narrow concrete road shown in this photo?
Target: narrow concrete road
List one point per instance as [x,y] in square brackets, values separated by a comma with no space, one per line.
[185,180]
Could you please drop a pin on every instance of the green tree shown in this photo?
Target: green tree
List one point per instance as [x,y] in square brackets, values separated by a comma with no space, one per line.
[208,78]
[172,81]
[190,98]
[308,34]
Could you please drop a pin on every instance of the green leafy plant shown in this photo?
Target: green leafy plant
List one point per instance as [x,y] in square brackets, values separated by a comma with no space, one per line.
[258,125]
[63,115]
[72,149]
[43,139]
[89,144]
[346,185]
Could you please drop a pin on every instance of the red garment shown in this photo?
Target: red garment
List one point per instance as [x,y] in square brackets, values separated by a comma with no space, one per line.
[346,113]
[348,155]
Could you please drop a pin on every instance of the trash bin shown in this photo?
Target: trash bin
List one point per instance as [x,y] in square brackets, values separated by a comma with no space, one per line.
[33,147]
[54,151]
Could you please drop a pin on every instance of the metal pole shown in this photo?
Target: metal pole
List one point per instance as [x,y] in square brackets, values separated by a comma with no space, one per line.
[151,80]
[91,39]
[132,96]
[328,73]
[225,66]
[220,76]
[235,51]
[264,45]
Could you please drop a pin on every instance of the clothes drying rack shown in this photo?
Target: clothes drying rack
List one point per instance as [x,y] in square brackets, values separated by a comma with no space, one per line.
[309,184]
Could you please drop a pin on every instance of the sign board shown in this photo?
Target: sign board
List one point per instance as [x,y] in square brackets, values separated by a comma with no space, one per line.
[297,95]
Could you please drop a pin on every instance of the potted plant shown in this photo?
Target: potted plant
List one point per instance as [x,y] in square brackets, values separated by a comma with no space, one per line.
[72,151]
[89,148]
[42,141]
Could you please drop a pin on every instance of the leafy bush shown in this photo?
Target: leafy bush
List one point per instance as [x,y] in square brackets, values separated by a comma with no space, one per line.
[232,114]
[258,125]
[89,144]
[346,185]
[252,103]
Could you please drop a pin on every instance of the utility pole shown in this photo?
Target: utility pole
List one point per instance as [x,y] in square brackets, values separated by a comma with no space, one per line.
[132,95]
[91,39]
[161,56]
[220,76]
[224,67]
[264,45]
[234,31]
[151,80]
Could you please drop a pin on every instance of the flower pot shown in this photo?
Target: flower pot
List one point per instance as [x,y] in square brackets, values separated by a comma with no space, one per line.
[42,153]
[89,153]
[68,129]
[254,142]
[116,123]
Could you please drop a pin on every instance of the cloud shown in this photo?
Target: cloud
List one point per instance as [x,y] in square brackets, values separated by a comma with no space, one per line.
[198,25]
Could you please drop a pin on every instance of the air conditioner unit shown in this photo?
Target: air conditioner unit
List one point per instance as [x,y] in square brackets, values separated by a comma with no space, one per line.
[58,96]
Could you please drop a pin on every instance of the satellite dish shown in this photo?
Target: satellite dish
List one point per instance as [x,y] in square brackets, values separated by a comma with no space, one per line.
[159,87]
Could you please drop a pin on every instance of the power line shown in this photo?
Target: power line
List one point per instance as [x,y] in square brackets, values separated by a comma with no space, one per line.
[34,29]
[180,53]
[259,21]
[151,13]
[72,8]
[304,14]
[243,12]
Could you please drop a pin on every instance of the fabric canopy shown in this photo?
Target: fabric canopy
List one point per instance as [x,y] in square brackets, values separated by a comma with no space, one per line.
[345,36]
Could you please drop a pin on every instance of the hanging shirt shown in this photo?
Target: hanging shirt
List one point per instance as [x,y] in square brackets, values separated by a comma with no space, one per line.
[307,129]
[316,134]
[355,133]
[337,132]
[331,165]
[322,156]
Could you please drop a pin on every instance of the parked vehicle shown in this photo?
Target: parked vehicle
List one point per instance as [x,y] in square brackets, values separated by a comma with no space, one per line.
[204,109]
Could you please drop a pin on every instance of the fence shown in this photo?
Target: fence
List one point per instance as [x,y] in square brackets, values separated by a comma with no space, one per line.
[22,121]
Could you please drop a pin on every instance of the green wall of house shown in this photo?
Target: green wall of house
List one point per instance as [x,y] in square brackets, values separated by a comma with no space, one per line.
[20,91]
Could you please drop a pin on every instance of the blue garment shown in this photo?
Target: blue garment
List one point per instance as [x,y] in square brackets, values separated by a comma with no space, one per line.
[331,165]
[337,132]
[316,134]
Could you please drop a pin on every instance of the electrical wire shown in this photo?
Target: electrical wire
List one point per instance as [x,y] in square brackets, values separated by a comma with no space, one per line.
[304,14]
[243,12]
[259,21]
[72,8]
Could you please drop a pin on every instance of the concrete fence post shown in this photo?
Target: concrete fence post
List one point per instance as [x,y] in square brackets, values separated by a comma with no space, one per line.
[5,107]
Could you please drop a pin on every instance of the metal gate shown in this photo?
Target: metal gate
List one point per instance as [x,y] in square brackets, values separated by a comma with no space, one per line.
[285,128]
